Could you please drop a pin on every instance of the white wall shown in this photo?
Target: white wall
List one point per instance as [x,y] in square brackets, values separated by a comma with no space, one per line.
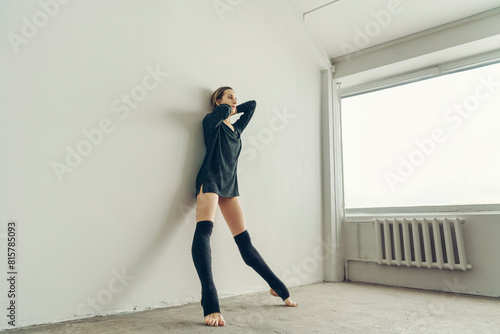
[127,207]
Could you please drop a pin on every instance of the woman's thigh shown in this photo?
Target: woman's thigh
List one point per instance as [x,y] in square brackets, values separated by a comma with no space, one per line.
[233,214]
[206,205]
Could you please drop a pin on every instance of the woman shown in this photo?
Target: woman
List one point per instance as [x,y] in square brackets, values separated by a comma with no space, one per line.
[217,183]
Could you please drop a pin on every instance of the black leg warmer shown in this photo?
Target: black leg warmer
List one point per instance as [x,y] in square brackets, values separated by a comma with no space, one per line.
[202,258]
[253,259]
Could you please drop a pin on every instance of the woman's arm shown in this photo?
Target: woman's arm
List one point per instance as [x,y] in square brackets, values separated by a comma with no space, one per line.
[215,118]
[247,109]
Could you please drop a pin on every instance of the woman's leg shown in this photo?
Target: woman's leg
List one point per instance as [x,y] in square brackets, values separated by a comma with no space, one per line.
[233,214]
[206,206]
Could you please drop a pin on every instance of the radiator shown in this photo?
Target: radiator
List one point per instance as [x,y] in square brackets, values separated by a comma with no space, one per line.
[425,242]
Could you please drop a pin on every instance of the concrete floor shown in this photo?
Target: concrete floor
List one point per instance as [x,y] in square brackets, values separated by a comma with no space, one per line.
[323,308]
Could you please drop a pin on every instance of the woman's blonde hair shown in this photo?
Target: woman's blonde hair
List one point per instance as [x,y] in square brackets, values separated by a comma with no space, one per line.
[218,94]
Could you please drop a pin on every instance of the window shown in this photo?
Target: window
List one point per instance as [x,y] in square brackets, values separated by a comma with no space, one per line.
[428,143]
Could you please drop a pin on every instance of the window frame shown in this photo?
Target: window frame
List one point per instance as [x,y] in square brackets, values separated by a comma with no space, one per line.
[464,64]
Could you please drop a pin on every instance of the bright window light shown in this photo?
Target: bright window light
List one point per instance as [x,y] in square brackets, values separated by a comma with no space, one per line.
[428,143]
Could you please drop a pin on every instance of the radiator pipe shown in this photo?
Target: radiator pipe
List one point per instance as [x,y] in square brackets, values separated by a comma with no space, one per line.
[346,268]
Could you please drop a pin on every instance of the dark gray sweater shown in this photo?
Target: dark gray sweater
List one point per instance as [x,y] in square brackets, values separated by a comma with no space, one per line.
[223,146]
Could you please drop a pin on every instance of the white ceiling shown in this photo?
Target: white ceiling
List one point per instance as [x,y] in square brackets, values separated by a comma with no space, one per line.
[336,25]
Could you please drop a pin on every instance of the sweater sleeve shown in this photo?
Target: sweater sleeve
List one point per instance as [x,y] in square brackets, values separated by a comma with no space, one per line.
[215,118]
[247,109]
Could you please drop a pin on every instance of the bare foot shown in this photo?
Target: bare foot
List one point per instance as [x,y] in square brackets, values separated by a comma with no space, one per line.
[288,301]
[214,319]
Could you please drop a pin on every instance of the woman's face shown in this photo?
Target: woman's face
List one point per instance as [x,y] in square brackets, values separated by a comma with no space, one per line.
[230,98]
